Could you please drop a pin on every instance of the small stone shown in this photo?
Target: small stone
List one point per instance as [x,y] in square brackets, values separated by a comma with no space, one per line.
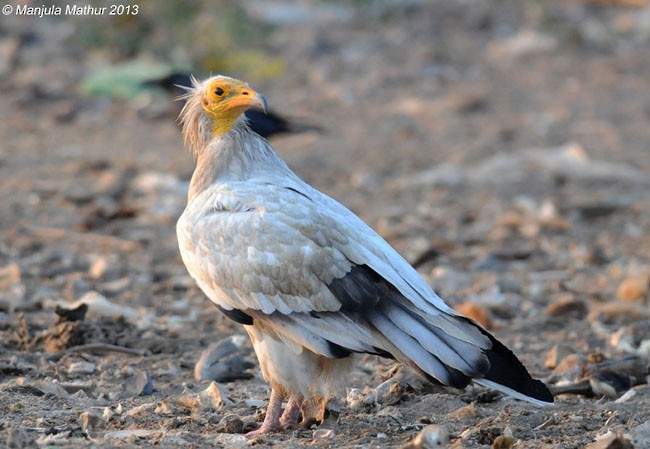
[503,442]
[629,394]
[81,368]
[386,393]
[611,441]
[139,384]
[524,43]
[214,363]
[131,433]
[107,414]
[431,437]
[322,434]
[91,420]
[212,398]
[230,423]
[354,399]
[475,312]
[230,440]
[633,289]
[468,411]
[175,440]
[164,409]
[98,268]
[47,387]
[140,409]
[557,354]
[566,306]
[570,363]
[641,434]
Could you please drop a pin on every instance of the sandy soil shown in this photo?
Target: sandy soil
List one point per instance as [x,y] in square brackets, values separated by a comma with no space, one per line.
[501,145]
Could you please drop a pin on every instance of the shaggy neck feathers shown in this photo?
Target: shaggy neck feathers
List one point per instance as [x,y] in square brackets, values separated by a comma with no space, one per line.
[235,155]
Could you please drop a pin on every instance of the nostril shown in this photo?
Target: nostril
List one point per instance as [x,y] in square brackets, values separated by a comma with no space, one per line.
[245,92]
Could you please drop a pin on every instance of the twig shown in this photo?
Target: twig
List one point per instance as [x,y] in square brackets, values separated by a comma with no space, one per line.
[86,237]
[97,348]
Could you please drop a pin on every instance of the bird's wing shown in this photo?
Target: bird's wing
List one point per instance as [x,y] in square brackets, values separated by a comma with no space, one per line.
[314,273]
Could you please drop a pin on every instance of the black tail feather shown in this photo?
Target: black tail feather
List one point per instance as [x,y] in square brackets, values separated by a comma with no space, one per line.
[507,370]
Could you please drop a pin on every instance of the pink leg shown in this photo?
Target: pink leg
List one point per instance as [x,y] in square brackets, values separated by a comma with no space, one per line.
[272,419]
[289,418]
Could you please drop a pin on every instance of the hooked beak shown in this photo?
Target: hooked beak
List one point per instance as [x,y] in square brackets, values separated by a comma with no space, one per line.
[247,98]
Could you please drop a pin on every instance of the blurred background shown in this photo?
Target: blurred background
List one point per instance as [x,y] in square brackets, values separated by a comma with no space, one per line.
[503,146]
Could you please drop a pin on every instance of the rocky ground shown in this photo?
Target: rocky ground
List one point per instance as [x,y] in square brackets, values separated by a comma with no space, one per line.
[501,146]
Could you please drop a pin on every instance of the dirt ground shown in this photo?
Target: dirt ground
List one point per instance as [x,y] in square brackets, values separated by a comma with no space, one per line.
[503,146]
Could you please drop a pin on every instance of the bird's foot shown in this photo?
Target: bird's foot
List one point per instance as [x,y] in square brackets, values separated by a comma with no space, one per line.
[271,422]
[291,414]
[264,429]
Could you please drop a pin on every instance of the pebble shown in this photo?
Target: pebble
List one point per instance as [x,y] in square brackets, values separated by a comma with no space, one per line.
[468,411]
[139,384]
[230,440]
[81,368]
[91,420]
[107,414]
[633,289]
[557,354]
[130,433]
[386,393]
[322,434]
[214,363]
[354,399]
[524,43]
[431,437]
[230,423]
[611,441]
[140,409]
[212,398]
[629,394]
[164,408]
[477,313]
[567,306]
[641,434]
[503,442]
[175,440]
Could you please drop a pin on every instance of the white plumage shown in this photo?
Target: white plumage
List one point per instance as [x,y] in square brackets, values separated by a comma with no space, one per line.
[310,281]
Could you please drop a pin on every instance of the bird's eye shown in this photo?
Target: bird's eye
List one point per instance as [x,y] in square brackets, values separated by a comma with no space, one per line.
[219,91]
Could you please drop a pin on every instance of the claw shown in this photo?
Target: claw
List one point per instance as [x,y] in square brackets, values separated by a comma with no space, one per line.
[271,422]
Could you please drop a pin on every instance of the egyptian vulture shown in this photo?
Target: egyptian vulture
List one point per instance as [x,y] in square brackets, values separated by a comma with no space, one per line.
[310,282]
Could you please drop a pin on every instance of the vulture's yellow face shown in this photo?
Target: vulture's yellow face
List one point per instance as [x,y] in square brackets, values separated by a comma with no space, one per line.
[226,99]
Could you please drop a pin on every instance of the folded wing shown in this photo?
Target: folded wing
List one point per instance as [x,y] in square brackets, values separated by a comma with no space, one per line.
[301,265]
